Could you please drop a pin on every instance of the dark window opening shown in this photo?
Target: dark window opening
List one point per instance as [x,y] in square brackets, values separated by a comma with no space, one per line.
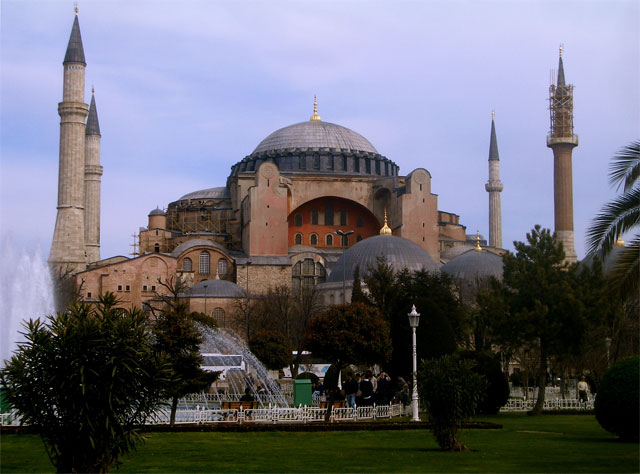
[328,215]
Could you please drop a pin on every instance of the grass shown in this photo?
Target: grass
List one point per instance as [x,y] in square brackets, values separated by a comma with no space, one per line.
[551,443]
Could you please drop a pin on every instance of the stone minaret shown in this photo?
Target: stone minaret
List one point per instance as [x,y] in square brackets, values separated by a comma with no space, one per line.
[68,249]
[562,140]
[494,188]
[92,178]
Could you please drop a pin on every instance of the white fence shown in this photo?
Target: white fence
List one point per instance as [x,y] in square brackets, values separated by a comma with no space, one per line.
[302,414]
[520,404]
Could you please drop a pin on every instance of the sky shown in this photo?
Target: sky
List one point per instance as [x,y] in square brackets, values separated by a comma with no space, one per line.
[185,89]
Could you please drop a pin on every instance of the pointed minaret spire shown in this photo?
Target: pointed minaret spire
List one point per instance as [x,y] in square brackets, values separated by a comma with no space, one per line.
[561,81]
[315,117]
[494,188]
[93,126]
[92,183]
[75,51]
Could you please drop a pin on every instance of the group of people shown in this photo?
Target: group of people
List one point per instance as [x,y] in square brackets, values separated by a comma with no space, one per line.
[365,389]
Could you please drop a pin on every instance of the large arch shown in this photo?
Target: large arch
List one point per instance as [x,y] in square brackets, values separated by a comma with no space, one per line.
[324,216]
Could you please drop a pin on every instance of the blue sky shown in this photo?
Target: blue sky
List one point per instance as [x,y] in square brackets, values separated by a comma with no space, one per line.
[184,89]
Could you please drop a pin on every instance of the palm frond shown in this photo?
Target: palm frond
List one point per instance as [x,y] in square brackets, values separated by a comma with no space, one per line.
[616,217]
[625,273]
[625,169]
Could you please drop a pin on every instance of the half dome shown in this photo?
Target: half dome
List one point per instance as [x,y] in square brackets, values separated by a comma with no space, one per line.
[315,134]
[400,253]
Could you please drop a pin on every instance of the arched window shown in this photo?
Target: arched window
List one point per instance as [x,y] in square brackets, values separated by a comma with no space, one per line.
[307,273]
[345,240]
[187,265]
[156,248]
[219,316]
[297,239]
[297,220]
[329,240]
[313,240]
[222,266]
[205,263]
[359,221]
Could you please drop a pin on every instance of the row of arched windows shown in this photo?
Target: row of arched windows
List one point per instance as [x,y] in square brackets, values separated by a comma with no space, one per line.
[307,273]
[204,264]
[329,239]
[329,217]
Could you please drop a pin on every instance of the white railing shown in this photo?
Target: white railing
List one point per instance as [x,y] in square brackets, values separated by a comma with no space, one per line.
[520,404]
[302,414]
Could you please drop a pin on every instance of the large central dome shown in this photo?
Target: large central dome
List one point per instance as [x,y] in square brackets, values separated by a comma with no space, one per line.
[315,134]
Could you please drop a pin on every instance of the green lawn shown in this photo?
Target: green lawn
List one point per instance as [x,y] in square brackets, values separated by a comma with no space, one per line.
[551,443]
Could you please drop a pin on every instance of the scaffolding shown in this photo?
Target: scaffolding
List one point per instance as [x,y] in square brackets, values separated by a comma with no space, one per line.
[561,110]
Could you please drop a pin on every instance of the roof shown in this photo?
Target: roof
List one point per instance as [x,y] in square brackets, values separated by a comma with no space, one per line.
[75,51]
[216,289]
[157,212]
[93,126]
[210,193]
[400,253]
[493,145]
[472,265]
[315,134]
[184,246]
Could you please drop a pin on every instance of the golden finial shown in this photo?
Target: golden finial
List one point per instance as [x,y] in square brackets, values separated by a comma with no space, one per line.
[619,242]
[75,8]
[561,46]
[478,248]
[493,115]
[386,230]
[315,117]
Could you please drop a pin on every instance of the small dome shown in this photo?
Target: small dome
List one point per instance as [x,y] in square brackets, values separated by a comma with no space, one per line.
[210,193]
[315,134]
[472,265]
[157,212]
[400,253]
[216,289]
[609,262]
[184,246]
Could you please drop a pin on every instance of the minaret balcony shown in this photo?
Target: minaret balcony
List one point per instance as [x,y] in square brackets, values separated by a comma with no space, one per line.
[570,140]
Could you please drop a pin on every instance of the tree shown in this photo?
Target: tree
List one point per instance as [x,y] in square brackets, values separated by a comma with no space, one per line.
[272,348]
[619,216]
[543,309]
[85,379]
[346,334]
[357,295]
[450,391]
[178,338]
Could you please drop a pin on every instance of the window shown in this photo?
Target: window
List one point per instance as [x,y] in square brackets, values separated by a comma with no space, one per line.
[316,162]
[377,166]
[119,287]
[297,220]
[219,315]
[127,288]
[187,265]
[329,240]
[153,287]
[356,164]
[328,215]
[308,267]
[344,162]
[88,294]
[313,240]
[321,274]
[359,221]
[345,240]
[367,165]
[314,217]
[156,248]
[144,287]
[303,162]
[343,217]
[205,263]
[307,273]
[222,266]
[297,240]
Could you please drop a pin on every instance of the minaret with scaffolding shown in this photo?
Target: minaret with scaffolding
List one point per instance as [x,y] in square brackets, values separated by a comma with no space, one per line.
[562,141]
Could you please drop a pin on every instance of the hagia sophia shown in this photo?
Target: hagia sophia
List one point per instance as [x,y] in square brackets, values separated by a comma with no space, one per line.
[309,203]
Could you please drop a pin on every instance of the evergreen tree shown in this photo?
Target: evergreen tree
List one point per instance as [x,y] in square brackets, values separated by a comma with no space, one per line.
[357,295]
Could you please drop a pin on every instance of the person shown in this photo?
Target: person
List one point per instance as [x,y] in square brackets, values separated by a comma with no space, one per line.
[403,391]
[247,397]
[350,387]
[583,388]
[383,389]
[366,387]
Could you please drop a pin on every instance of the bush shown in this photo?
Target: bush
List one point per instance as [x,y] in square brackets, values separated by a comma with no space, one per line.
[450,391]
[272,348]
[496,393]
[617,399]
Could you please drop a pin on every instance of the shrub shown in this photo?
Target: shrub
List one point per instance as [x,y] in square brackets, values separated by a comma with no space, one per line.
[617,400]
[272,348]
[496,393]
[450,391]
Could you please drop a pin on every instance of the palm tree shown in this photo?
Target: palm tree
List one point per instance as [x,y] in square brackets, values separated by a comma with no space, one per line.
[618,217]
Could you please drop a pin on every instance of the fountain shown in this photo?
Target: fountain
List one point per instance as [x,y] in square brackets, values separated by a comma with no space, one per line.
[26,292]
[224,350]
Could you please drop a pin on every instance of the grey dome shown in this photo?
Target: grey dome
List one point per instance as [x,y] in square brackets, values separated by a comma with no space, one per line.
[211,193]
[609,262]
[473,265]
[315,134]
[400,253]
[452,252]
[216,289]
[157,212]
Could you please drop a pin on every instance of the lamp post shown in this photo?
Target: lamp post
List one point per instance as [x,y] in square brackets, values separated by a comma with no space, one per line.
[414,320]
[345,243]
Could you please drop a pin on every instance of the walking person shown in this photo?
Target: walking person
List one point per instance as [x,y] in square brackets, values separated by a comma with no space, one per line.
[350,387]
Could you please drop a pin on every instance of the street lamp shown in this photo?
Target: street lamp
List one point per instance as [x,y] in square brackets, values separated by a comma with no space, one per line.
[345,243]
[414,320]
